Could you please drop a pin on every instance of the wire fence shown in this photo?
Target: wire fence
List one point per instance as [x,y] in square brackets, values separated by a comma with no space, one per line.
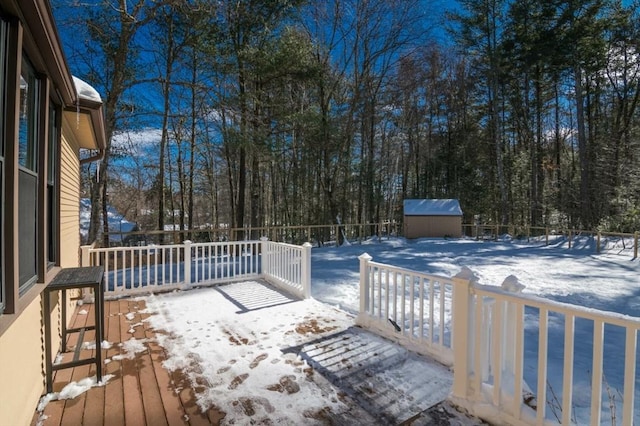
[321,235]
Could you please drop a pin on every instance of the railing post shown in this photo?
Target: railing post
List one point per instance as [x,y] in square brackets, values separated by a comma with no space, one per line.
[187,261]
[461,309]
[635,245]
[510,334]
[266,256]
[598,242]
[85,259]
[306,270]
[364,286]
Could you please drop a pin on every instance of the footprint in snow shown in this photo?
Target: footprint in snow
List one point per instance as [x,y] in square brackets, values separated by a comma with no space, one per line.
[258,360]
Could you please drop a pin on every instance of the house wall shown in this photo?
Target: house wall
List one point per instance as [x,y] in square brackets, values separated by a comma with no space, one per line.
[22,345]
[69,201]
[21,367]
[31,37]
[432,226]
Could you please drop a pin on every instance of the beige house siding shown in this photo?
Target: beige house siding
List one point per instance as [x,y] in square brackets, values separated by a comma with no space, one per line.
[22,345]
[69,202]
[22,366]
[432,226]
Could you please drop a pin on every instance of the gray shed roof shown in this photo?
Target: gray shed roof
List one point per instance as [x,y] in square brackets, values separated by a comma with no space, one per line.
[432,207]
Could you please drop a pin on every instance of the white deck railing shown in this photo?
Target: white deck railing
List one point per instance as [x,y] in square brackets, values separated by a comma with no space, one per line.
[507,344]
[287,266]
[144,269]
[407,306]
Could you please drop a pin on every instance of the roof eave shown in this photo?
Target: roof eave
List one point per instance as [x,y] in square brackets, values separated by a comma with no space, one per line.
[45,35]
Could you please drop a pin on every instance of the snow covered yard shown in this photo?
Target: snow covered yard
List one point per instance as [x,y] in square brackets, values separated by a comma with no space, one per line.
[607,281]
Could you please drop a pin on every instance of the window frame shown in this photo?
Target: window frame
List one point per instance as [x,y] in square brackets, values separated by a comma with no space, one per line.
[54,128]
[4,59]
[29,141]
[19,294]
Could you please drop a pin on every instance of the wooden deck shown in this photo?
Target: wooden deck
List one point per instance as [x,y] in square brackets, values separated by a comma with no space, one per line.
[140,391]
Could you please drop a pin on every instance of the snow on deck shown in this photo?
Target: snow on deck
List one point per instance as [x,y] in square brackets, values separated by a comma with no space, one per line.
[260,353]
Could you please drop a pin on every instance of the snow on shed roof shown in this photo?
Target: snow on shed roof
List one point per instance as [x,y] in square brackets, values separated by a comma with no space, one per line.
[432,207]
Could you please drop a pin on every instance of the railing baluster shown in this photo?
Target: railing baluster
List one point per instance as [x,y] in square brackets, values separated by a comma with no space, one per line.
[442,312]
[116,272]
[479,351]
[497,325]
[567,373]
[147,275]
[596,375]
[372,286]
[140,266]
[130,255]
[412,314]
[421,314]
[432,292]
[518,368]
[631,342]
[379,290]
[217,255]
[543,347]
[386,295]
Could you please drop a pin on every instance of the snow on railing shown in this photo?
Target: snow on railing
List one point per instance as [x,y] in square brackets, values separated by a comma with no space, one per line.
[407,306]
[288,267]
[130,270]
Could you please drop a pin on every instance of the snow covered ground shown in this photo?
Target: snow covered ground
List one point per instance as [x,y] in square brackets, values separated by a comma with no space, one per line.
[247,337]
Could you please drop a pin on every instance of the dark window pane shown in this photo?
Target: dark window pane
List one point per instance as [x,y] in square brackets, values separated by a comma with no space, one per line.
[29,143]
[52,213]
[4,28]
[27,227]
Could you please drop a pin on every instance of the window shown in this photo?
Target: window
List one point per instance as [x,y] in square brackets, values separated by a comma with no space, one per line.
[52,199]
[29,124]
[4,28]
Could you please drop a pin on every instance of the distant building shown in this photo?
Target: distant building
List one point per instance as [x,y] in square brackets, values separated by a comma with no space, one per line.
[432,218]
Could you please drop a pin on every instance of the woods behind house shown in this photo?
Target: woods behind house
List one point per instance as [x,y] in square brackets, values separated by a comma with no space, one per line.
[288,112]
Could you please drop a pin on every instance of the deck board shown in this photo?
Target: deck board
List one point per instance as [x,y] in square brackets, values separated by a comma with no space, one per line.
[133,408]
[113,394]
[139,391]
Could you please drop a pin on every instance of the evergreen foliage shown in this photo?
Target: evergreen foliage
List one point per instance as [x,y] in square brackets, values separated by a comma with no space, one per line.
[288,112]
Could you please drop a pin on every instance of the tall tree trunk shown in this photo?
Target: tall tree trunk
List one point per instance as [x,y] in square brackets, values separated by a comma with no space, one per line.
[586,211]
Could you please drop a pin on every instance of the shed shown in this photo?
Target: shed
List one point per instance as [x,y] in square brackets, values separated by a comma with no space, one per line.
[432,218]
